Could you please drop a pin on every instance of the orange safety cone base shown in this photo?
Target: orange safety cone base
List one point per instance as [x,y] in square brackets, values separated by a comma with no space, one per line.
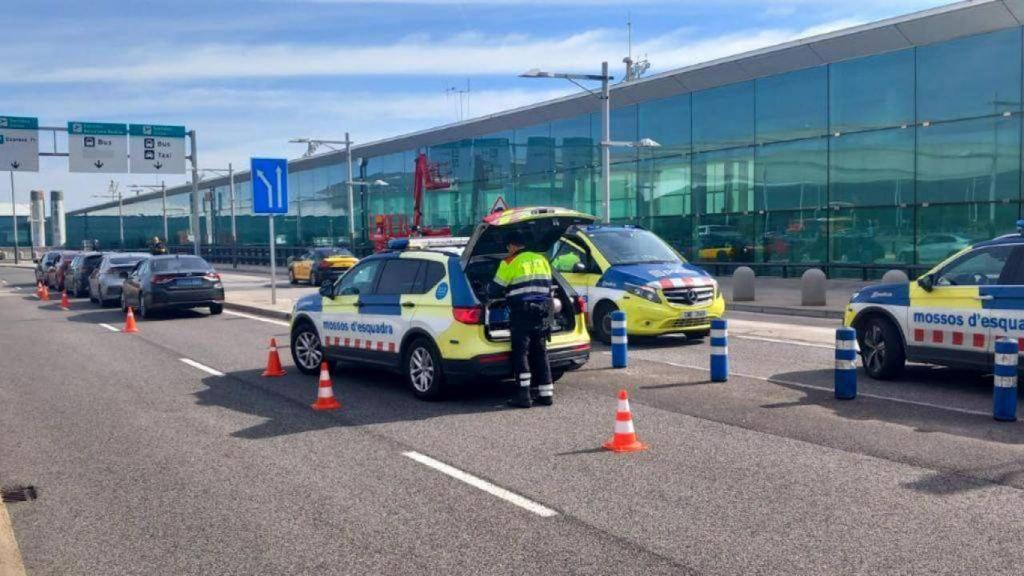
[634,446]
[269,374]
[326,404]
[65,304]
[129,323]
[274,368]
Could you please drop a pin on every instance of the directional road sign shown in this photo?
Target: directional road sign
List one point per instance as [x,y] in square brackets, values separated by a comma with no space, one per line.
[97,148]
[157,149]
[19,144]
[269,185]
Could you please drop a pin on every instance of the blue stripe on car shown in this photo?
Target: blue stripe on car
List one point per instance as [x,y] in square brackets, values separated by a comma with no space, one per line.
[1003,297]
[895,294]
[462,293]
[310,303]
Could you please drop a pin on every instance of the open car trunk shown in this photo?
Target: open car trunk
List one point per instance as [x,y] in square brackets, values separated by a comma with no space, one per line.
[487,248]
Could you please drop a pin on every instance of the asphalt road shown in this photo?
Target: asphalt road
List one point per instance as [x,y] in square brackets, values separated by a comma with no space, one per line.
[146,464]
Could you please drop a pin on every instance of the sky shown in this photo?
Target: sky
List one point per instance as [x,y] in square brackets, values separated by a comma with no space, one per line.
[248,75]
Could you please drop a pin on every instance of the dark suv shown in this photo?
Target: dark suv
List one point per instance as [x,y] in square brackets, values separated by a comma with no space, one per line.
[76,279]
[173,281]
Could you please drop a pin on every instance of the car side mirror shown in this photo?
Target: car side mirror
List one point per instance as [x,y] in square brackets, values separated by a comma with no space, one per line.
[327,290]
[579,268]
[927,282]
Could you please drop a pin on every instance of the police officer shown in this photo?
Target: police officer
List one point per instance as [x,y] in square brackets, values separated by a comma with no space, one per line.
[524,277]
[157,247]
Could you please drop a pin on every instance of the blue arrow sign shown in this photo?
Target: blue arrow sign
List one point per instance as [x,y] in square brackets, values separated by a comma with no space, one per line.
[269,185]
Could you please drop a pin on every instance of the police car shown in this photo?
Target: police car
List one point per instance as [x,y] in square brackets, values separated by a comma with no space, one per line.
[631,269]
[423,310]
[950,316]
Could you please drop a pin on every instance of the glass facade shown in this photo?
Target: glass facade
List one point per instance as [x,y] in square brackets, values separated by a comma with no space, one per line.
[892,159]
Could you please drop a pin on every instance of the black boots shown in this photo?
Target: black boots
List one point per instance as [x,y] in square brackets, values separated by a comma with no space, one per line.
[521,399]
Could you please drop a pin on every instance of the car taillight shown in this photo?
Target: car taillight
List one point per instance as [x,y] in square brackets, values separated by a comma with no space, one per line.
[468,314]
[212,277]
[581,304]
[162,279]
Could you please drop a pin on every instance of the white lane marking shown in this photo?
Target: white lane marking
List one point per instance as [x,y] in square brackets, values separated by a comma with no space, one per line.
[781,341]
[827,389]
[111,328]
[252,317]
[482,484]
[202,367]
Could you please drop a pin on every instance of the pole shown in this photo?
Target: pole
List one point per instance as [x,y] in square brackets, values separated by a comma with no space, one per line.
[606,137]
[14,219]
[273,262]
[351,197]
[234,230]
[194,219]
[163,200]
[120,215]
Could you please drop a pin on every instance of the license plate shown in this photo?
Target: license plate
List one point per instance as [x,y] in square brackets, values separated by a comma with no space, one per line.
[189,282]
[692,314]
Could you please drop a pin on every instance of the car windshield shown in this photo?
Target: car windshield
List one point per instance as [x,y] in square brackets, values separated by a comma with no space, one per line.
[326,252]
[123,262]
[180,264]
[631,246]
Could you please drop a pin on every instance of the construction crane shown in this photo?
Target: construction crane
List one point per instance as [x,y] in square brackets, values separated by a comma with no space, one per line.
[426,176]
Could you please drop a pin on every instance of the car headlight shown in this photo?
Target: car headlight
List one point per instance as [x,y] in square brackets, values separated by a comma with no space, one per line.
[645,292]
[718,290]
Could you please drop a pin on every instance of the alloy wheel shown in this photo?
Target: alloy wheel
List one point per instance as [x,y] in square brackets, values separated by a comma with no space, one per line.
[307,350]
[874,348]
[421,369]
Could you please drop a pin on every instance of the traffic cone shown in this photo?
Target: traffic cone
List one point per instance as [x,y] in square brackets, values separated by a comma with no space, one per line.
[39,290]
[325,399]
[45,297]
[273,361]
[65,304]
[624,439]
[129,322]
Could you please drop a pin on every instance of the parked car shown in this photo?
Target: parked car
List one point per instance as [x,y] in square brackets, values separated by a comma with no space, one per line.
[44,264]
[76,279]
[934,248]
[173,281]
[320,264]
[55,275]
[106,280]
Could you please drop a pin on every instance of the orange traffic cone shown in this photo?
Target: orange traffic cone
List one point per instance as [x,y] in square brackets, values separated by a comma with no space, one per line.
[45,297]
[39,290]
[65,304]
[273,361]
[325,399]
[129,322]
[624,439]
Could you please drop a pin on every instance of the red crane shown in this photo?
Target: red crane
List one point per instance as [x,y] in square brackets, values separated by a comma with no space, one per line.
[426,176]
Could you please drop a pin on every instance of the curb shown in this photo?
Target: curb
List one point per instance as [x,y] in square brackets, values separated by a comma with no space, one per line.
[785,311]
[258,311]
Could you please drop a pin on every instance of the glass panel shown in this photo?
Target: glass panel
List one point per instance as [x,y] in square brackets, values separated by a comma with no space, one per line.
[872,235]
[944,230]
[665,189]
[872,168]
[533,149]
[792,175]
[667,122]
[725,238]
[794,236]
[973,160]
[873,92]
[723,117]
[972,76]
[624,129]
[623,192]
[792,105]
[575,143]
[724,181]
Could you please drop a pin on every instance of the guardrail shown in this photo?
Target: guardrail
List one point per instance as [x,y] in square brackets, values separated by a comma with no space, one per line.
[796,269]
[241,254]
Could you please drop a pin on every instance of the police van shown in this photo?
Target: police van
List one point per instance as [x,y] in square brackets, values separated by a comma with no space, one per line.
[633,270]
[423,310]
[950,316]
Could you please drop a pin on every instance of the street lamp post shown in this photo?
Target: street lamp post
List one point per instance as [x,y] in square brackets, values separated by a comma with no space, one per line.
[14,219]
[163,201]
[312,145]
[230,171]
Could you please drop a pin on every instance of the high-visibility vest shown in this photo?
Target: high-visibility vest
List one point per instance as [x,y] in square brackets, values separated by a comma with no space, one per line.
[526,275]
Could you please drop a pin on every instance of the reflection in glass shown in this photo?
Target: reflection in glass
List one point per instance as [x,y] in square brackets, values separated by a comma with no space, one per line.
[872,92]
[723,117]
[872,168]
[969,161]
[792,105]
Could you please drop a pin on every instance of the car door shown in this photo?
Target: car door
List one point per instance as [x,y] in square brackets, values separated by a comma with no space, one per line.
[573,262]
[1004,300]
[342,331]
[303,266]
[396,300]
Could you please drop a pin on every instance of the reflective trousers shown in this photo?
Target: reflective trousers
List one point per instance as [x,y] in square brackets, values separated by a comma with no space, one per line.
[528,323]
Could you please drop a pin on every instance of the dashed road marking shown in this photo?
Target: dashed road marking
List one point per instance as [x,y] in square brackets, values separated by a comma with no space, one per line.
[253,317]
[10,557]
[482,484]
[202,367]
[111,328]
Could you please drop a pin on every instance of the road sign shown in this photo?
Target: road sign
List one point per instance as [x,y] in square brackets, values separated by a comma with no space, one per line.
[156,149]
[269,185]
[97,148]
[499,204]
[19,144]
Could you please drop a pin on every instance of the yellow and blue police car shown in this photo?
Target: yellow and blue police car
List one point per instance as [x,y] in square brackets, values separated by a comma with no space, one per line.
[424,310]
[633,270]
[950,316]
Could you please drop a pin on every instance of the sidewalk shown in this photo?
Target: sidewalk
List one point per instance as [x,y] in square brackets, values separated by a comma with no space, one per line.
[782,296]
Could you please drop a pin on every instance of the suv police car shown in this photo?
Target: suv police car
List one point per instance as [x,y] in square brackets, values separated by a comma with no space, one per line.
[631,269]
[425,313]
[950,316]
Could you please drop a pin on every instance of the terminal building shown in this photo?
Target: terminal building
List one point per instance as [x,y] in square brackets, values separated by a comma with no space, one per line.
[890,144]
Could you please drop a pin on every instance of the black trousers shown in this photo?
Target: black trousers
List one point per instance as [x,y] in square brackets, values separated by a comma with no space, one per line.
[528,324]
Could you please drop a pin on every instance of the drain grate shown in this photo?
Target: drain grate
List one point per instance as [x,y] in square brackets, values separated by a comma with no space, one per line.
[19,493]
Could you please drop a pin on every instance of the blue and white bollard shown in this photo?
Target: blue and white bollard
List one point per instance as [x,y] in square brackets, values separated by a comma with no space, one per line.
[1004,390]
[719,350]
[846,364]
[619,340]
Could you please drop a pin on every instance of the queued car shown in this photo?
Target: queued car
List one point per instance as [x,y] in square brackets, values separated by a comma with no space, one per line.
[76,279]
[176,281]
[43,265]
[633,270]
[950,316]
[55,275]
[319,265]
[106,280]
[425,312]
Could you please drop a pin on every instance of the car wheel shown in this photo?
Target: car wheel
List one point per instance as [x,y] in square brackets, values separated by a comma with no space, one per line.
[603,322]
[291,277]
[423,370]
[216,309]
[307,353]
[881,348]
